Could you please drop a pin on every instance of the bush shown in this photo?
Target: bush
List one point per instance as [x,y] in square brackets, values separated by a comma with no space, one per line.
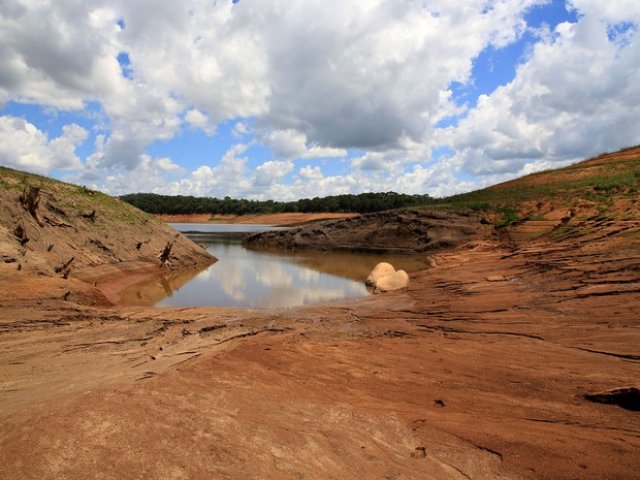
[509,216]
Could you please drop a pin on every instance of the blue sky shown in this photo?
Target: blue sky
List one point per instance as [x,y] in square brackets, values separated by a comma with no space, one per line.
[280,99]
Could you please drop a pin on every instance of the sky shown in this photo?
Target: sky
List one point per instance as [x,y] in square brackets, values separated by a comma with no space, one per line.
[288,99]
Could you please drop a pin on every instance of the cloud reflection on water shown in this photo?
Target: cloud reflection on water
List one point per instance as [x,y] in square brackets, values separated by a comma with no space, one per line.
[243,278]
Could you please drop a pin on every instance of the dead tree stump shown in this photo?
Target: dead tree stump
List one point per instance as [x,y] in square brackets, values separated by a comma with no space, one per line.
[166,252]
[30,200]
[91,216]
[21,234]
[65,269]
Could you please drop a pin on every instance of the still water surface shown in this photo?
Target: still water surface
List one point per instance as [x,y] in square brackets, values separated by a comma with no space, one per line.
[245,278]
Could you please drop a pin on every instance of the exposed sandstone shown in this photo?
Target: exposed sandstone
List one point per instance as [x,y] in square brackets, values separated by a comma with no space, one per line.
[451,378]
[406,231]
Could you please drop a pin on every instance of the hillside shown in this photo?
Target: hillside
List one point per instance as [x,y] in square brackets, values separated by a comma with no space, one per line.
[606,186]
[595,197]
[62,233]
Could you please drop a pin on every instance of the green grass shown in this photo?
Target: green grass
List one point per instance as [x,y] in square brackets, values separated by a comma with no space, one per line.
[601,184]
[508,216]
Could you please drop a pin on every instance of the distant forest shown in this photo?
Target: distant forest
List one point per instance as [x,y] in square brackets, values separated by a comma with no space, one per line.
[362,203]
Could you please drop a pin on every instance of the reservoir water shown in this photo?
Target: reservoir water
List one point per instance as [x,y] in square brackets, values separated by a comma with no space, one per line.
[245,278]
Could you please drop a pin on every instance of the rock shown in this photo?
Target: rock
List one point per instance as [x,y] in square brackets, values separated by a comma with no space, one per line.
[396,281]
[419,452]
[380,270]
[496,278]
[625,397]
[403,231]
[385,278]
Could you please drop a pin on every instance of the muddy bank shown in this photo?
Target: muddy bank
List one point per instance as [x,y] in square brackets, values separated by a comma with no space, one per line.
[403,231]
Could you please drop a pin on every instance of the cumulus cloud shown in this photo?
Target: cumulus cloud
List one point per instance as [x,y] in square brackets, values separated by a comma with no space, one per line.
[310,173]
[226,178]
[576,96]
[24,146]
[350,81]
[153,172]
[240,129]
[271,171]
[197,119]
[370,73]
[49,58]
[290,143]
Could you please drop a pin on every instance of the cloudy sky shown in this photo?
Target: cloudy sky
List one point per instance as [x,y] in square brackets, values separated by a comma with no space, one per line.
[286,99]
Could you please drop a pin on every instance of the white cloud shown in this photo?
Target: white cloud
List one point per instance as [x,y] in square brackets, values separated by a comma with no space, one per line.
[271,171]
[290,143]
[372,161]
[148,175]
[24,146]
[310,173]
[362,76]
[240,129]
[226,178]
[57,62]
[370,73]
[197,119]
[576,96]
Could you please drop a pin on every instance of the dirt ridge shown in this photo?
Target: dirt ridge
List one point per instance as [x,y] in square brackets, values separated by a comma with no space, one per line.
[402,231]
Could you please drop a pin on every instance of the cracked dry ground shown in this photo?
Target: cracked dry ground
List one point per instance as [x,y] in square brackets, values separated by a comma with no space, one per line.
[456,377]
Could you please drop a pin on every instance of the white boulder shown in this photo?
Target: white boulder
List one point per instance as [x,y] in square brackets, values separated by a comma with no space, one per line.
[381,270]
[385,278]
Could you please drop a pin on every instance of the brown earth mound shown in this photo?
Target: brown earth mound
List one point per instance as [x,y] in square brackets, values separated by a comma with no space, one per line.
[405,231]
[69,234]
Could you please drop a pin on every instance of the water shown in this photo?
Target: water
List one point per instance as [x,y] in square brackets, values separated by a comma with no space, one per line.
[244,278]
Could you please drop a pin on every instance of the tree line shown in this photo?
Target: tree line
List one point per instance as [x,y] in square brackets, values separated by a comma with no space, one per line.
[361,203]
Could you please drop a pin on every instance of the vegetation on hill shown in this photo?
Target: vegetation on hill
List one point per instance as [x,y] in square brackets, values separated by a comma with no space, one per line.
[362,203]
[595,178]
[596,187]
[71,197]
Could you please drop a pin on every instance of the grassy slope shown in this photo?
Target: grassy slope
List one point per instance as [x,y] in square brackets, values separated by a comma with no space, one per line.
[73,197]
[94,229]
[598,188]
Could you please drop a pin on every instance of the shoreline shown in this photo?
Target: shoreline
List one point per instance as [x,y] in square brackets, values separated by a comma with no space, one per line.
[276,220]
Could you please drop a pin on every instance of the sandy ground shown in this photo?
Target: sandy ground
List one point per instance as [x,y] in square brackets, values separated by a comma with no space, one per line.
[276,219]
[476,371]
